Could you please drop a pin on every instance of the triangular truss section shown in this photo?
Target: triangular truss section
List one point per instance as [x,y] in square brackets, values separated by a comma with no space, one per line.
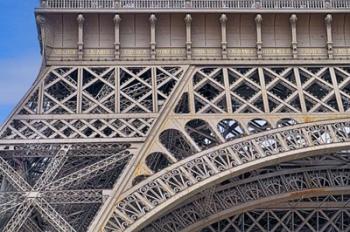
[280,90]
[87,103]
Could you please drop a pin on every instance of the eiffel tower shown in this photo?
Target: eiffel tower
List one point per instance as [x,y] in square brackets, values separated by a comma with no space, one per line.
[183,115]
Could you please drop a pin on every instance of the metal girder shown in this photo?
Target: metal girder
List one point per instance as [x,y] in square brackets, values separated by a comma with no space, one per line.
[42,195]
[53,168]
[31,226]
[5,207]
[29,197]
[89,172]
[54,218]
[13,177]
[10,200]
[74,196]
[11,197]
[19,217]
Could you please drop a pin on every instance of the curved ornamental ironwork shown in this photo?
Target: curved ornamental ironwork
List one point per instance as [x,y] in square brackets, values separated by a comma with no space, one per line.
[188,176]
[197,4]
[282,186]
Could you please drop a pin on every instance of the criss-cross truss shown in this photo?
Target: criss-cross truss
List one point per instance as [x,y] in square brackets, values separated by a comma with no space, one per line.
[166,133]
[66,144]
[182,116]
[70,104]
[63,185]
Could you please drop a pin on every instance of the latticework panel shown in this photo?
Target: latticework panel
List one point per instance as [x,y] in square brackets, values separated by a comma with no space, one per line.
[195,172]
[290,219]
[230,196]
[247,90]
[223,103]
[78,128]
[88,122]
[93,102]
[57,187]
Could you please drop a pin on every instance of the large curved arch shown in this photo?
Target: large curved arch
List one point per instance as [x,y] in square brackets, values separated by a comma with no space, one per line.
[161,192]
[252,193]
[283,198]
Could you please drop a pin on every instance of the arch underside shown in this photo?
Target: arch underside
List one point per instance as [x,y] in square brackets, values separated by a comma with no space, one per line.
[310,194]
[171,187]
[316,216]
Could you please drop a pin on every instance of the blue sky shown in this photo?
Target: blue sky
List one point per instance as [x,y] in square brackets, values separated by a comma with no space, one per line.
[19,52]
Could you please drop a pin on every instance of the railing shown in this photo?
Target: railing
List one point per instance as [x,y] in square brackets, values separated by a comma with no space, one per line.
[197,4]
[222,4]
[295,4]
[94,4]
[340,4]
[176,4]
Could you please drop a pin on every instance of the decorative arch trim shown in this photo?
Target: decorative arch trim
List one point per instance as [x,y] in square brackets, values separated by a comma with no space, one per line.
[283,198]
[252,193]
[166,189]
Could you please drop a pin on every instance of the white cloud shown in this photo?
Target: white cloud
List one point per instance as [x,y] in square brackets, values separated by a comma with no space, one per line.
[16,77]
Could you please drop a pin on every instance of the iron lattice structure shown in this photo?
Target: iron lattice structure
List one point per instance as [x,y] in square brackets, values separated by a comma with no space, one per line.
[121,135]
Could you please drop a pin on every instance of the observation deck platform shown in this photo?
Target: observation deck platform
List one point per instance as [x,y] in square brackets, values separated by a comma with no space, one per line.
[188,6]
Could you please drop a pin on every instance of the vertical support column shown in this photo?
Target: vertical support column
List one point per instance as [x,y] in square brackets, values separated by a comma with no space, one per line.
[117,89]
[154,89]
[300,90]
[258,21]
[264,90]
[293,25]
[80,90]
[188,22]
[336,89]
[116,20]
[328,21]
[191,97]
[153,20]
[80,20]
[223,20]
[227,90]
[41,98]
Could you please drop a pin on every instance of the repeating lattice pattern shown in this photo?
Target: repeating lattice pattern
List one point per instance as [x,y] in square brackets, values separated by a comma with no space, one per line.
[298,220]
[161,188]
[69,90]
[93,102]
[52,186]
[228,197]
[78,128]
[247,90]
